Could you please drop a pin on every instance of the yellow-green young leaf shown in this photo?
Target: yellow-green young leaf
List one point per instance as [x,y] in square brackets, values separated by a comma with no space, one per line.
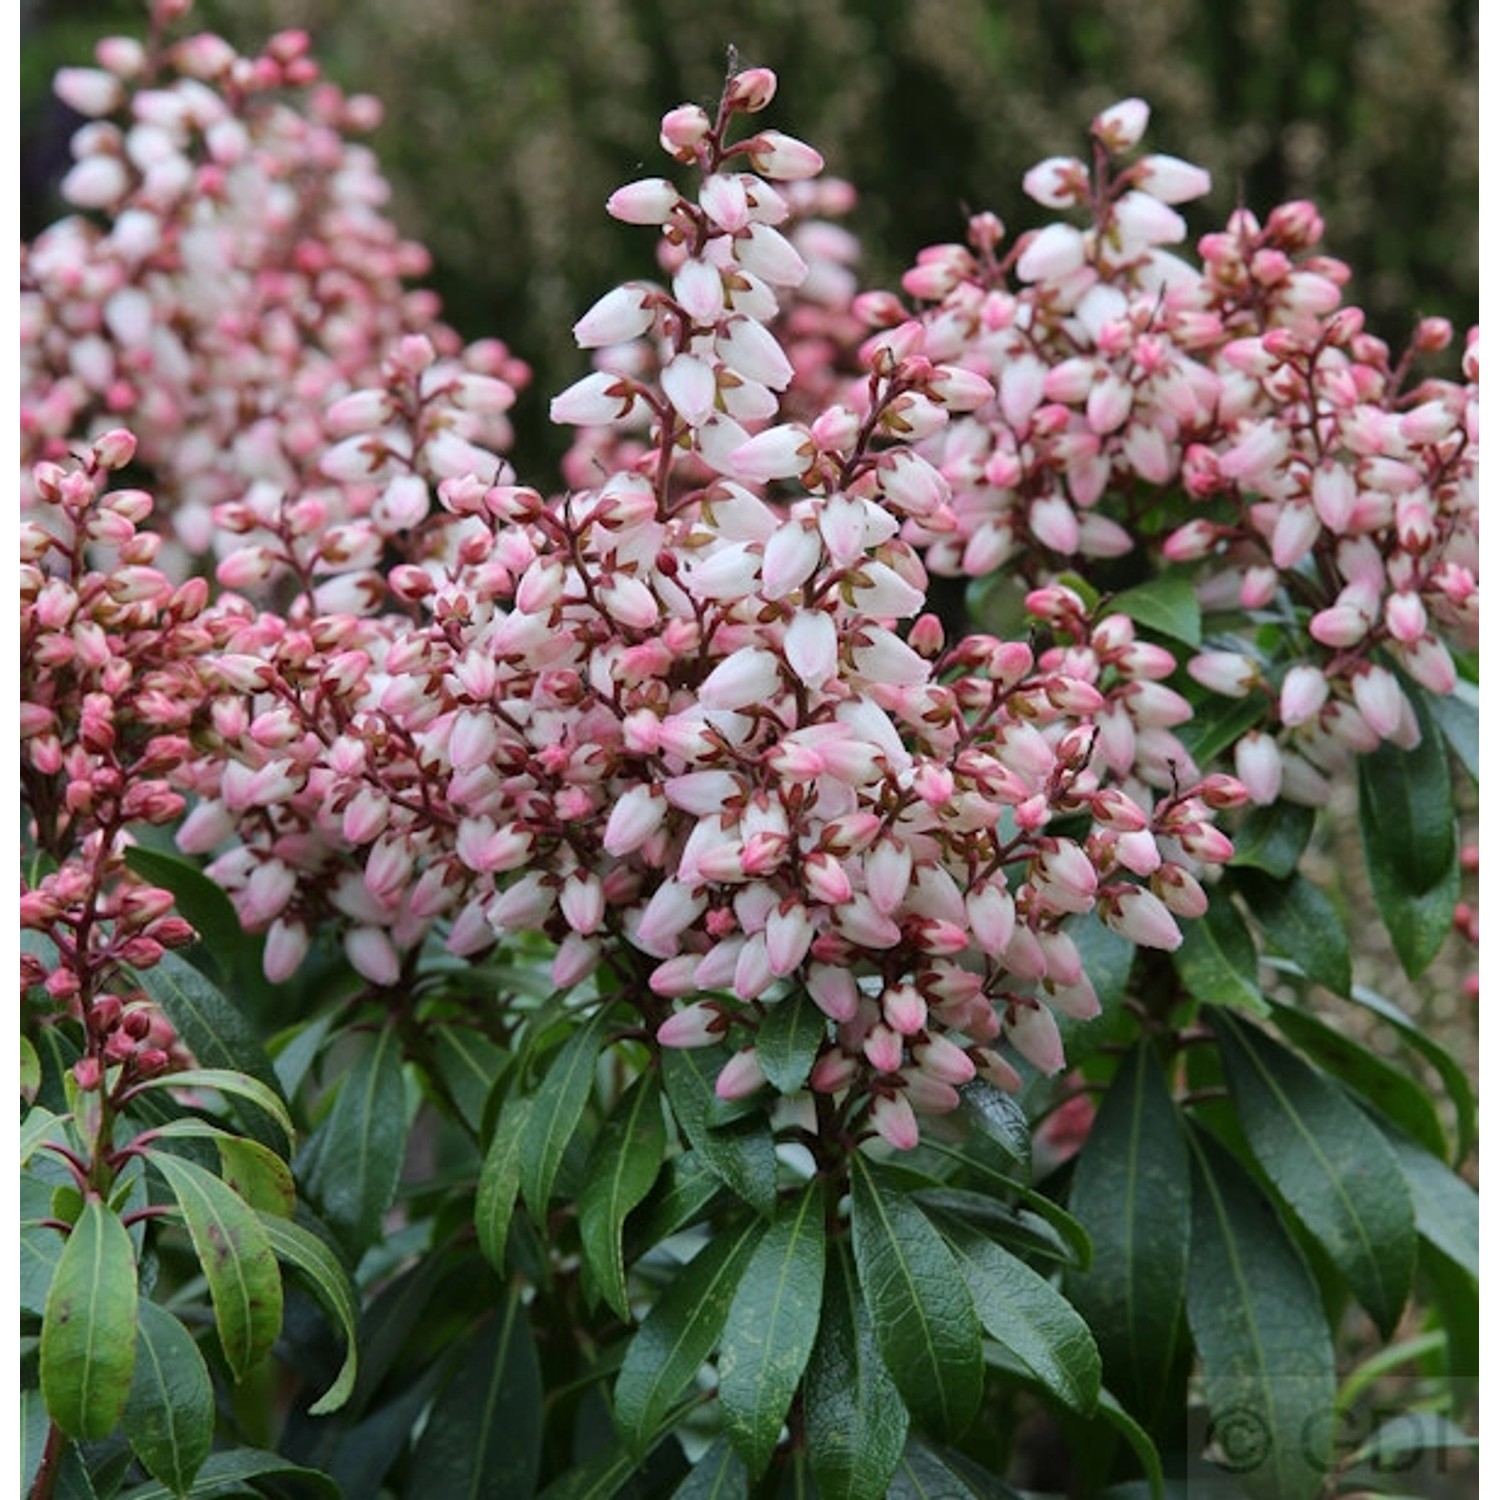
[483,1440]
[169,1416]
[88,1328]
[621,1169]
[238,1262]
[500,1180]
[856,1421]
[1262,1337]
[31,1070]
[556,1111]
[362,1144]
[771,1327]
[330,1284]
[923,1314]
[1132,1191]
[679,1333]
[259,1176]
[1328,1162]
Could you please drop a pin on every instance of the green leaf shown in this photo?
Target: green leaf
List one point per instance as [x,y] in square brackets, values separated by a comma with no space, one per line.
[469,1063]
[362,1144]
[1418,924]
[1133,1194]
[924,1473]
[1394,1443]
[1457,715]
[556,1111]
[1217,723]
[227,1081]
[1030,1317]
[31,1070]
[718,1475]
[1217,959]
[1258,1323]
[1166,604]
[622,1167]
[1328,1162]
[88,1329]
[998,1118]
[924,1317]
[682,1196]
[483,1440]
[856,1421]
[235,1253]
[41,1247]
[1139,1439]
[1392,1090]
[771,1327]
[1302,923]
[330,1284]
[1406,810]
[1455,1079]
[256,1173]
[169,1415]
[789,1039]
[229,1473]
[1446,1207]
[598,1478]
[679,1333]
[742,1153]
[500,1180]
[38,1126]
[1272,838]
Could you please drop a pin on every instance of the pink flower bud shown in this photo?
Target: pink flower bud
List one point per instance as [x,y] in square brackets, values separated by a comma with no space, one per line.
[1226,672]
[751,675]
[1257,763]
[1304,690]
[904,1009]
[1169,179]
[741,1076]
[751,91]
[684,129]
[1058,182]
[1051,253]
[895,1122]
[789,934]
[783,158]
[649,201]
[697,1025]
[1032,1031]
[373,955]
[618,316]
[1122,125]
[778,453]
[1379,699]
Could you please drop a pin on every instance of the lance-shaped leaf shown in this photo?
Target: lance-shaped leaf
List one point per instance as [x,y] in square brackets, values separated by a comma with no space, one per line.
[362,1144]
[679,1333]
[1457,715]
[31,1070]
[927,1473]
[1302,923]
[998,1119]
[718,1475]
[235,1252]
[227,1081]
[254,1171]
[1329,1163]
[88,1328]
[788,1041]
[856,1421]
[1167,603]
[229,1474]
[772,1323]
[1447,1208]
[169,1415]
[1272,838]
[469,1064]
[924,1317]
[621,1169]
[1217,959]
[483,1440]
[1258,1323]
[32,1430]
[742,1152]
[499,1181]
[556,1111]
[1133,1193]
[330,1284]
[1029,1316]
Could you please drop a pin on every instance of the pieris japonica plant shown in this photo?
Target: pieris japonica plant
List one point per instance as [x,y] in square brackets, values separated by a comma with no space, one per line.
[617,984]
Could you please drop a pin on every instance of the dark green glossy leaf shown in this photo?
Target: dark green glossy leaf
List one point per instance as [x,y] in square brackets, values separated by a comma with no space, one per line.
[1139,1439]
[362,1144]
[169,1416]
[718,1475]
[1328,1162]
[742,1153]
[1392,1090]
[855,1419]
[998,1118]
[1217,959]
[500,1180]
[88,1329]
[1446,1207]
[681,1197]
[621,1169]
[1258,1323]
[556,1110]
[1023,1231]
[789,1039]
[1167,604]
[924,1317]
[1457,715]
[1217,723]
[1272,838]
[235,1252]
[1302,923]
[1418,924]
[927,1473]
[237,1086]
[771,1326]
[296,1049]
[234,952]
[469,1064]
[230,1473]
[483,1440]
[1025,1313]
[330,1284]
[1406,811]
[679,1333]
[1133,1194]
[600,1477]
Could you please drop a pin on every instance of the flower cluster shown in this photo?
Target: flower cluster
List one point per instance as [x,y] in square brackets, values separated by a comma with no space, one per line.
[109,691]
[230,273]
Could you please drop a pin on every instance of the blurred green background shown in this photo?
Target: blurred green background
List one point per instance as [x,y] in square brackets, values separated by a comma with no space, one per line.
[510,121]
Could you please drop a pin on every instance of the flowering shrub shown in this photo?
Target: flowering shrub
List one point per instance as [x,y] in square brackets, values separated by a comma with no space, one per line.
[619,940]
